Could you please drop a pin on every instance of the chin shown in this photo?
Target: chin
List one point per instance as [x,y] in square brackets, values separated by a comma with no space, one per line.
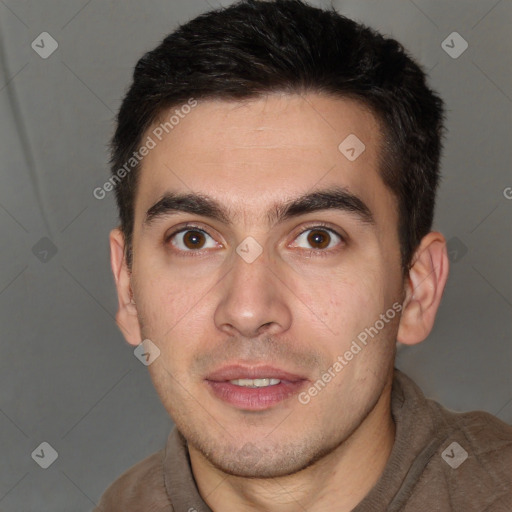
[261,468]
[269,460]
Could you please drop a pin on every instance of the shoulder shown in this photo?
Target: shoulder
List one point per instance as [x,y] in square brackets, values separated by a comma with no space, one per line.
[141,487]
[464,458]
[473,460]
[487,437]
[483,433]
[489,441]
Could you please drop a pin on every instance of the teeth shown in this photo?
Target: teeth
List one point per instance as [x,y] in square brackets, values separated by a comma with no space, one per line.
[255,383]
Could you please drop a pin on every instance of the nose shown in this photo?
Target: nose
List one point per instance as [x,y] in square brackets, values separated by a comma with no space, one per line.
[253,300]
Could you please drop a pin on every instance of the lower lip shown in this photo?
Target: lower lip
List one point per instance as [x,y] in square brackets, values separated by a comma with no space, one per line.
[255,399]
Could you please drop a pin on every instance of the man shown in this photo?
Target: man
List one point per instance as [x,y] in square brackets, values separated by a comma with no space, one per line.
[276,168]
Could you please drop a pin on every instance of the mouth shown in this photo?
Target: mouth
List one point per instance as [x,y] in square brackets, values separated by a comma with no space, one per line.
[254,388]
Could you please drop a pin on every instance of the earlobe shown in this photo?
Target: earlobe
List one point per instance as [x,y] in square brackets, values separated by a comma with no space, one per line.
[424,289]
[126,317]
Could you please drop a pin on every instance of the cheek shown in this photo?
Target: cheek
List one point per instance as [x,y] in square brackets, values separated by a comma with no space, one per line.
[343,300]
[164,306]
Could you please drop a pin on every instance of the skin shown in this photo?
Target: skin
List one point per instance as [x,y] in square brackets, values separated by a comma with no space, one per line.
[291,307]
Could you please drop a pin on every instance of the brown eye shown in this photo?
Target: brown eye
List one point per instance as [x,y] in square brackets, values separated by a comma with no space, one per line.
[319,239]
[194,239]
[190,240]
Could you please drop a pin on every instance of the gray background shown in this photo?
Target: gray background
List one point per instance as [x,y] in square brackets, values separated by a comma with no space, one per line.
[67,375]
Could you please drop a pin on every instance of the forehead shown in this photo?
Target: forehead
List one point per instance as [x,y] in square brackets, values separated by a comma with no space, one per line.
[251,154]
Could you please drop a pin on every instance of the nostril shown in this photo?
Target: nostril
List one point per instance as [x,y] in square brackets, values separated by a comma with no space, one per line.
[265,327]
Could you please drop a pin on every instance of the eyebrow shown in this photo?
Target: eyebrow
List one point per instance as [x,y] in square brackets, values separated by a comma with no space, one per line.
[335,198]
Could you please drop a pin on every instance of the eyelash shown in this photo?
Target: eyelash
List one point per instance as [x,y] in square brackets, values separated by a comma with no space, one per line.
[316,252]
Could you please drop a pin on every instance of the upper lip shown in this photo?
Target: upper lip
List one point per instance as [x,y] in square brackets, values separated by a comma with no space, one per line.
[240,371]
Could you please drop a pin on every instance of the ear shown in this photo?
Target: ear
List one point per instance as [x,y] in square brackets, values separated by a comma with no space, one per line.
[126,316]
[424,289]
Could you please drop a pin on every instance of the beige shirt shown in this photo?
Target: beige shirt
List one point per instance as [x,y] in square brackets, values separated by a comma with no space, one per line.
[440,461]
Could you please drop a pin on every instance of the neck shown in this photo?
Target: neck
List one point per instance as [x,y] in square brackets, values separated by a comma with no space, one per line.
[337,482]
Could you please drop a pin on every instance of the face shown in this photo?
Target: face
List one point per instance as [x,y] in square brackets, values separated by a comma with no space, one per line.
[261,251]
